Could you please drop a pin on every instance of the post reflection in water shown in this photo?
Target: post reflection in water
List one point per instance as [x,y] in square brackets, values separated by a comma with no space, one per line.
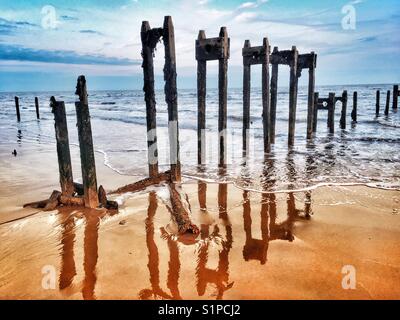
[68,270]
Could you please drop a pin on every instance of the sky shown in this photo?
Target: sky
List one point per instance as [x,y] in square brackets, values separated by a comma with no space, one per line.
[46,45]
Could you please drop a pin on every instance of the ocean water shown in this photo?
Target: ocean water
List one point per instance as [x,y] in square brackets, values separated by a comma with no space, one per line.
[365,153]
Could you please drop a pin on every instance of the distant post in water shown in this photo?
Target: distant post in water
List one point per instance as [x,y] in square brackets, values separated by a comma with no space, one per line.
[63,152]
[387,103]
[344,110]
[378,95]
[293,95]
[354,111]
[171,97]
[17,108]
[37,107]
[274,98]
[395,95]
[86,145]
[331,112]
[315,118]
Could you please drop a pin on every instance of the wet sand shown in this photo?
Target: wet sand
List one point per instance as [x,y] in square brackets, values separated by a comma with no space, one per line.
[251,246]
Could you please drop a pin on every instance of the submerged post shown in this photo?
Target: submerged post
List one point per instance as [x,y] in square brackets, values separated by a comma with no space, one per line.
[344,110]
[223,95]
[315,118]
[171,97]
[17,108]
[274,98]
[265,94]
[201,105]
[395,95]
[387,103]
[246,99]
[149,96]
[63,152]
[293,95]
[354,111]
[331,112]
[89,178]
[37,107]
[311,89]
[378,95]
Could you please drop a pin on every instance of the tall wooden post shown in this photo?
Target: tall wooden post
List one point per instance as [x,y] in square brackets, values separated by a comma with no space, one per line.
[171,97]
[311,89]
[223,96]
[331,112]
[387,103]
[149,96]
[37,108]
[63,152]
[315,118]
[344,110]
[17,108]
[293,96]
[354,111]
[274,98]
[395,95]
[246,100]
[265,95]
[88,165]
[378,95]
[201,105]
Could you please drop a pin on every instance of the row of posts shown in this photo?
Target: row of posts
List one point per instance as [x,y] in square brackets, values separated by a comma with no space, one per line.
[18,111]
[396,94]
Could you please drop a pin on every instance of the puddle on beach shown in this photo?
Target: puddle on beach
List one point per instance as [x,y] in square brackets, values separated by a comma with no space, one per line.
[251,246]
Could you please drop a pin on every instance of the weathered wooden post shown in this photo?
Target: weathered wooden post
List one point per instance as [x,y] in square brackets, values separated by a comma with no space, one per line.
[37,107]
[149,41]
[315,118]
[274,97]
[86,145]
[293,95]
[387,103]
[223,95]
[378,95]
[63,152]
[17,108]
[311,89]
[331,112]
[201,104]
[354,111]
[246,98]
[265,93]
[171,97]
[344,110]
[395,95]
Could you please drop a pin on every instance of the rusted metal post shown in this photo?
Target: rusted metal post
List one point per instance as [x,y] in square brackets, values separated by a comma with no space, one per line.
[331,112]
[387,103]
[265,94]
[378,95]
[354,111]
[17,108]
[344,110]
[63,152]
[246,99]
[293,96]
[395,95]
[223,95]
[37,108]
[311,89]
[315,117]
[148,45]
[88,165]
[171,97]
[274,98]
[201,105]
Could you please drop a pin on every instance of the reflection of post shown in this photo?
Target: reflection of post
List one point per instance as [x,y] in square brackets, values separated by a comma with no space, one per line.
[90,255]
[202,195]
[68,270]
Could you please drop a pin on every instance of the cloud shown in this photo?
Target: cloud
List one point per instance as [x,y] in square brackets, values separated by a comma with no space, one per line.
[8,27]
[89,31]
[19,53]
[68,18]
[252,5]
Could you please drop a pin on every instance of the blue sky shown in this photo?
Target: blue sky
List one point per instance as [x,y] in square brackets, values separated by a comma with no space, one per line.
[40,50]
